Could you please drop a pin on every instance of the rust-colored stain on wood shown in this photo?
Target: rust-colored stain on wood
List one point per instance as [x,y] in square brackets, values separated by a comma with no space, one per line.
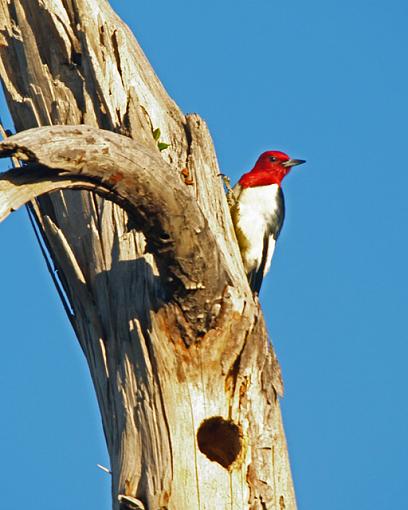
[115,178]
[165,498]
[231,379]
[185,172]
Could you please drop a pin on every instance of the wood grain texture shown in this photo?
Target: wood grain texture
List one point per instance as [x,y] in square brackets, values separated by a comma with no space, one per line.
[162,364]
[177,232]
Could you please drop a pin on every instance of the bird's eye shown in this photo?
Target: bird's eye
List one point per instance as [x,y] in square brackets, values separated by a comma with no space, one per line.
[272,158]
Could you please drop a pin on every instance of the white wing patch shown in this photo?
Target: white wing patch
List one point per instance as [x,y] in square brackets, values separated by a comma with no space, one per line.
[271,249]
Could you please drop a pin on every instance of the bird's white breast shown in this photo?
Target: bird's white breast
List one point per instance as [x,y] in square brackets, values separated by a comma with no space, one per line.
[260,200]
[256,208]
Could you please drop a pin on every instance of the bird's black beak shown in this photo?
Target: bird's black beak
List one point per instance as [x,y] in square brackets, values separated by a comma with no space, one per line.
[294,162]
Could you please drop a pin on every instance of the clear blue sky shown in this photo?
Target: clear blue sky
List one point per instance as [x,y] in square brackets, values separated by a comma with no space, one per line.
[325,81]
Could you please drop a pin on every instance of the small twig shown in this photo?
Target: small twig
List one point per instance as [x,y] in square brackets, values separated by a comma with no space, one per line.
[107,470]
[49,262]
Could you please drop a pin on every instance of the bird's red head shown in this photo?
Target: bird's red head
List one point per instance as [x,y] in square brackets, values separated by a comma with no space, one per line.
[271,168]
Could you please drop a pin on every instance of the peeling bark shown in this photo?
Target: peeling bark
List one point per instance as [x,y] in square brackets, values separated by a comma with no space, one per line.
[185,377]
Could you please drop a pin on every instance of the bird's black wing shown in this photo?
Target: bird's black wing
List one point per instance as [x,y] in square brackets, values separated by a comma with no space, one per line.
[255,277]
[279,215]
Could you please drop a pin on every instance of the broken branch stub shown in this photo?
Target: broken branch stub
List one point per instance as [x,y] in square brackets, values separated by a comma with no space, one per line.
[120,169]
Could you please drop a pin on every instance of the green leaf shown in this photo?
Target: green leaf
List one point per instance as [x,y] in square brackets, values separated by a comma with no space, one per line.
[162,146]
[156,134]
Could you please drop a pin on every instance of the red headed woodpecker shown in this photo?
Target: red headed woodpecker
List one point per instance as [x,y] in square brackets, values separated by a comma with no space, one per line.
[258,211]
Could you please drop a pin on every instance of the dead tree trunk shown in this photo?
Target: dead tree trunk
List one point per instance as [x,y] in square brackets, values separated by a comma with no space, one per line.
[146,255]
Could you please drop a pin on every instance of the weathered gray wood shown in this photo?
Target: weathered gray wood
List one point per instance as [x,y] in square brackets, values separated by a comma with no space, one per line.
[162,365]
[124,171]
